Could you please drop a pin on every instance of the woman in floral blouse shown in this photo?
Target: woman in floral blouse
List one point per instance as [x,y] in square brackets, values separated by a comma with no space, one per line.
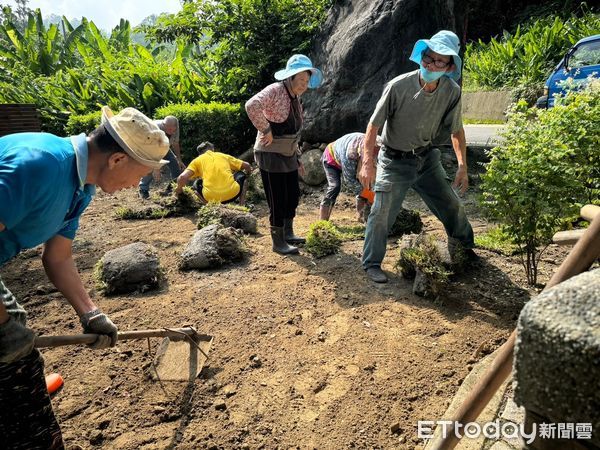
[276,112]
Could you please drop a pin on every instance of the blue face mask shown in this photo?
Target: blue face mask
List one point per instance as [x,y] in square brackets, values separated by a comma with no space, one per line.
[429,76]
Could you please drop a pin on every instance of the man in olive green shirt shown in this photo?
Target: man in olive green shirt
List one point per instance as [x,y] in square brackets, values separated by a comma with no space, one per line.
[413,110]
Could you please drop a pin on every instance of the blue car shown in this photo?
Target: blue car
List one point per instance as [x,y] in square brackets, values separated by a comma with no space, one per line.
[580,62]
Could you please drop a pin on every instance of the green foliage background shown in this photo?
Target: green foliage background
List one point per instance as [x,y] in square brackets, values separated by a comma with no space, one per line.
[241,43]
[525,57]
[210,52]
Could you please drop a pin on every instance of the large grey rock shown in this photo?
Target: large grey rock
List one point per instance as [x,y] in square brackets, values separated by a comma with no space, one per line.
[211,247]
[557,353]
[134,267]
[314,175]
[363,45]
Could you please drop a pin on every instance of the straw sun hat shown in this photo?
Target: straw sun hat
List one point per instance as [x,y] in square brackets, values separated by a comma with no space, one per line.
[139,136]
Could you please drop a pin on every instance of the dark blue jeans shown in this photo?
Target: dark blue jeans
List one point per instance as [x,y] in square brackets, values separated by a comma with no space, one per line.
[428,178]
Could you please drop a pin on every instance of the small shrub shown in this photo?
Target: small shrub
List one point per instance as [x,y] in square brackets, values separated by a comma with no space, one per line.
[323,239]
[546,167]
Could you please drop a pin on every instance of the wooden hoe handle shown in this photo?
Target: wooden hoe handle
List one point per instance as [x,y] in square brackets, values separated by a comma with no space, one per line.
[57,341]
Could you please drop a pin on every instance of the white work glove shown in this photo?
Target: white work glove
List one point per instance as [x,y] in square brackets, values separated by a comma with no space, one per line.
[97,322]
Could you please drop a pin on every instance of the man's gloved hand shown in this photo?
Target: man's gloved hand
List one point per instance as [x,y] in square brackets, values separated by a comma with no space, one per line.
[16,341]
[97,322]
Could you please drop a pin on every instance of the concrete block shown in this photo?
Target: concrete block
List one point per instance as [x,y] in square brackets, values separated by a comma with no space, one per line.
[557,353]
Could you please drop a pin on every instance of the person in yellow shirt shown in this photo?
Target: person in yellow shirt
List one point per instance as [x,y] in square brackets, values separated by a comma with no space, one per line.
[219,177]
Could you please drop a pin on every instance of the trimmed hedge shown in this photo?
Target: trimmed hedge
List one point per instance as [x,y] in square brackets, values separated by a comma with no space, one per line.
[82,123]
[224,124]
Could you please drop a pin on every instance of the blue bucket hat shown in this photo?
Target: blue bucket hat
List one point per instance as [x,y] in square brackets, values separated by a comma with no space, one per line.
[297,64]
[443,42]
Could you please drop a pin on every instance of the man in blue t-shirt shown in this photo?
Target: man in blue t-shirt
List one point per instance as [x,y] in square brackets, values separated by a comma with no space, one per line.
[46,182]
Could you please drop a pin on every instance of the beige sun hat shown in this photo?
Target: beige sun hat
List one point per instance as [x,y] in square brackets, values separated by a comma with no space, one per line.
[139,136]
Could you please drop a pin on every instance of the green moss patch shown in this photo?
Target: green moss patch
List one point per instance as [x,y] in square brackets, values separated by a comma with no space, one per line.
[160,207]
[323,239]
[497,240]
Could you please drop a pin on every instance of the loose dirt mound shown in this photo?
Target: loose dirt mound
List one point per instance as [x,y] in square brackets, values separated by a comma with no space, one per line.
[307,353]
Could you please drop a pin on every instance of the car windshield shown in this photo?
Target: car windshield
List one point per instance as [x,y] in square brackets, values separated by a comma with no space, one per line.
[587,54]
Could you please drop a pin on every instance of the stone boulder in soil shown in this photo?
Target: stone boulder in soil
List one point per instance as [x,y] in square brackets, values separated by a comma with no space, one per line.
[211,247]
[134,267]
[229,216]
[314,175]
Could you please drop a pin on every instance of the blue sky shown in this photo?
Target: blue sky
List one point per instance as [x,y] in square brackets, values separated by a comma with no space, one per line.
[105,13]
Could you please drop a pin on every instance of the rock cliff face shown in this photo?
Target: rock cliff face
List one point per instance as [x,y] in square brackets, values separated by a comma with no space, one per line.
[364,44]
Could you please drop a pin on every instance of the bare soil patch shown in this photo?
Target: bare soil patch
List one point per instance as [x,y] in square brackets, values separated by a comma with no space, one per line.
[307,353]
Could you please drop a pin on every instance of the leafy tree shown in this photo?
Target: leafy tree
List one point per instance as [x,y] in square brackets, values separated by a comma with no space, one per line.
[547,167]
[17,15]
[240,43]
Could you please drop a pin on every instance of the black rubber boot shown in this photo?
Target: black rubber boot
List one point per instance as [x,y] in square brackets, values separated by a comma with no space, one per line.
[290,237]
[279,244]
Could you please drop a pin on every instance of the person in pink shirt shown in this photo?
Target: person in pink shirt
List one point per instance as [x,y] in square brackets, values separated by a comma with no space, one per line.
[277,114]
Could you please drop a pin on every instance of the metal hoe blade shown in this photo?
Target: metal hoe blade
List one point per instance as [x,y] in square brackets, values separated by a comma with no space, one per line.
[181,360]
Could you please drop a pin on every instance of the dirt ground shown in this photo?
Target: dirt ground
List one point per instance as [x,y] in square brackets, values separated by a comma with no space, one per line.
[307,353]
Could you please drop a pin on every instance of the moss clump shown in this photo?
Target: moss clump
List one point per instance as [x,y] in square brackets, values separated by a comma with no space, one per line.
[181,204]
[351,232]
[425,256]
[407,222]
[228,215]
[208,215]
[97,275]
[161,207]
[142,213]
[256,191]
[323,239]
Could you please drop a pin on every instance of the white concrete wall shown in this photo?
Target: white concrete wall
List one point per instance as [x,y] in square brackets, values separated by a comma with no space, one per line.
[488,105]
